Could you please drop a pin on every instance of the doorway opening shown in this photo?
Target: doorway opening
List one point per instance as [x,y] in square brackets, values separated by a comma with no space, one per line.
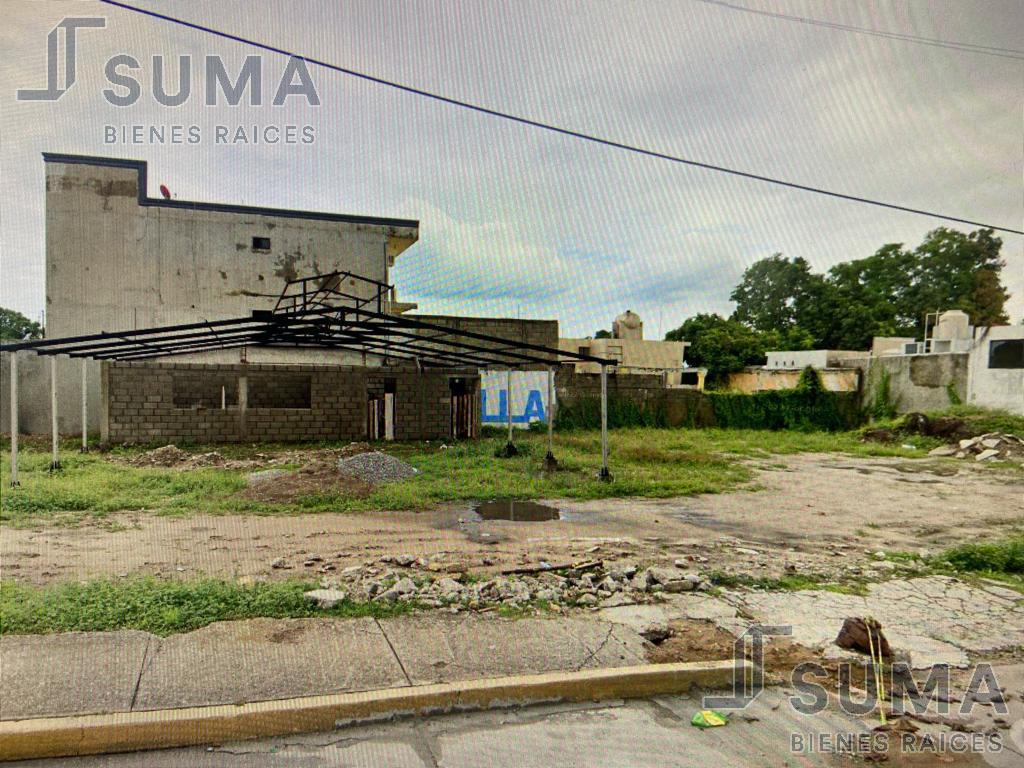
[380,413]
[463,403]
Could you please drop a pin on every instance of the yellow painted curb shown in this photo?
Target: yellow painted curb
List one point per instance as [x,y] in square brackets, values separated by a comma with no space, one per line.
[159,729]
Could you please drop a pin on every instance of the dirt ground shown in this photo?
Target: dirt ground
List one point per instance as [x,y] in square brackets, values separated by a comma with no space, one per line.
[821,514]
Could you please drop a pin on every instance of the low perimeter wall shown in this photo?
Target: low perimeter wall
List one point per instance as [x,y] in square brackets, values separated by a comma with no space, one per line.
[631,397]
[910,383]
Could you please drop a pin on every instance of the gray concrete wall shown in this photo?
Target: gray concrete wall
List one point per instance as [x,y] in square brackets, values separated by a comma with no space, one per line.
[538,332]
[34,394]
[916,382]
[114,263]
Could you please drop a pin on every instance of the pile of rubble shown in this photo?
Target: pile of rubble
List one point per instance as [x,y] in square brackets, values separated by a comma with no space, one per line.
[590,584]
[172,456]
[994,446]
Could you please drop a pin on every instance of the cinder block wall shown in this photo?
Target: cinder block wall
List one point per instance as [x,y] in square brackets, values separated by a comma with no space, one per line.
[682,407]
[542,333]
[141,402]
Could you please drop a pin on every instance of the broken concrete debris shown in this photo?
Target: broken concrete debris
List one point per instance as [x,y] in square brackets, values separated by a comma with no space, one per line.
[994,446]
[325,598]
[598,586]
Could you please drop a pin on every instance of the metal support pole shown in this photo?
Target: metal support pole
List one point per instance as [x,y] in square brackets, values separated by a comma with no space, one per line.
[85,404]
[550,463]
[605,474]
[14,419]
[55,461]
[508,403]
[510,448]
[243,406]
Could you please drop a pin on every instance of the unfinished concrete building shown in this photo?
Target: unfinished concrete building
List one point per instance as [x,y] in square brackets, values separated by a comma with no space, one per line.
[174,320]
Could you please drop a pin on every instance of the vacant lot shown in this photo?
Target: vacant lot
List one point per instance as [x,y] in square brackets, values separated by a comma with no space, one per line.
[645,462]
[755,505]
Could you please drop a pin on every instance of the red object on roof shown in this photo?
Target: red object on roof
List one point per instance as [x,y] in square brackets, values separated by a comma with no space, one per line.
[165,192]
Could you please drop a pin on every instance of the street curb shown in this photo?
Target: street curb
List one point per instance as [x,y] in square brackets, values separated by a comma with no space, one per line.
[189,726]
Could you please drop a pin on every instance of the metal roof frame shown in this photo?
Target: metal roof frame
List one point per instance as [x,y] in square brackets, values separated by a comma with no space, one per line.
[313,313]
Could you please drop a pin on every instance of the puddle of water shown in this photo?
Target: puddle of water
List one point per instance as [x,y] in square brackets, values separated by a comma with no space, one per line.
[516,511]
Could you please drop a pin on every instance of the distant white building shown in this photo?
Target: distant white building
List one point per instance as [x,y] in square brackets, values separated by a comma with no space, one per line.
[995,377]
[816,358]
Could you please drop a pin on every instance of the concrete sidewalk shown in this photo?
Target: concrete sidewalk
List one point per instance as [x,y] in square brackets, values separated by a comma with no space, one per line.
[262,659]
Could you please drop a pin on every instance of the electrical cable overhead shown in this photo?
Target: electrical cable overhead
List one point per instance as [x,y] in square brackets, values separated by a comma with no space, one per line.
[987,50]
[557,129]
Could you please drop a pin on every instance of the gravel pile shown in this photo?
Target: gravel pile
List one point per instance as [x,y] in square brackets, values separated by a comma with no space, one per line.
[376,467]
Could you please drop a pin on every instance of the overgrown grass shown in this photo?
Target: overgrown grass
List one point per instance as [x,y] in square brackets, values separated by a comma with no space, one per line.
[644,462]
[977,420]
[984,420]
[999,560]
[160,606]
[788,583]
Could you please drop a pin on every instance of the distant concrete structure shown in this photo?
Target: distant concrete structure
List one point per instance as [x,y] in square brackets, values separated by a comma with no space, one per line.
[637,355]
[954,363]
[765,379]
[890,345]
[117,259]
[628,325]
[818,359]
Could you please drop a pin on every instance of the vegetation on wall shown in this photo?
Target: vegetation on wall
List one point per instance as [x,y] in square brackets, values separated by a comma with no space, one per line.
[882,407]
[807,407]
[954,396]
[585,413]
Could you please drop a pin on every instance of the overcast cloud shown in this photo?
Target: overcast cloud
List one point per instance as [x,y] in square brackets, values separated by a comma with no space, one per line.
[516,221]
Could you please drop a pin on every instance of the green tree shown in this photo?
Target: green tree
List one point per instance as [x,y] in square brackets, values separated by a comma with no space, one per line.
[867,298]
[885,294]
[725,346]
[14,326]
[771,292]
[603,334]
[959,271]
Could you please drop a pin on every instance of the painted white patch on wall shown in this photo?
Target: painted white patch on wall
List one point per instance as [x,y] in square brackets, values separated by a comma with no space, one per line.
[529,398]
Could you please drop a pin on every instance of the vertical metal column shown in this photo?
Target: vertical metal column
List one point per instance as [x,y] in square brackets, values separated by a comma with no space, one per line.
[55,460]
[605,474]
[550,463]
[14,419]
[508,402]
[243,406]
[510,448]
[85,404]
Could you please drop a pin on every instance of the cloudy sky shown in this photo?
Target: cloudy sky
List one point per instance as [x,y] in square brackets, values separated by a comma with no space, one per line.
[516,221]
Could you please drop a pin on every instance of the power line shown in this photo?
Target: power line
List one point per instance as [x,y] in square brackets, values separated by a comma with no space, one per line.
[986,50]
[554,128]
